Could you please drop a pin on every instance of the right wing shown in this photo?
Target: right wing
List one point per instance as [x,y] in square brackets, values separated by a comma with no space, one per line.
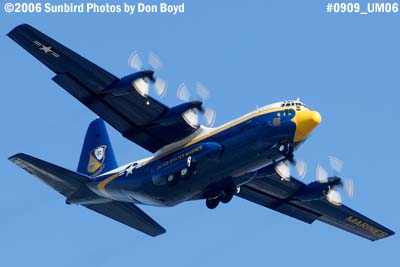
[69,183]
[269,190]
[139,118]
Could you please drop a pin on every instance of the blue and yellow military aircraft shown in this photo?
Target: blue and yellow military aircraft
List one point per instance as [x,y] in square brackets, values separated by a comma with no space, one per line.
[248,157]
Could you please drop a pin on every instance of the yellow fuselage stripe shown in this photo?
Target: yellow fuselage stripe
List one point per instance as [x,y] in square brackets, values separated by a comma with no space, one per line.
[101,186]
[218,130]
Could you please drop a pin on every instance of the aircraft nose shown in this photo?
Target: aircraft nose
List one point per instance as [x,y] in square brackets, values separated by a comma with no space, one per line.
[306,121]
[316,117]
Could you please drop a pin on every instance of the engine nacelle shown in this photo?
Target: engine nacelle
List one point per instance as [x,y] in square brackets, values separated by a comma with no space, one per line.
[317,190]
[174,115]
[313,191]
[124,86]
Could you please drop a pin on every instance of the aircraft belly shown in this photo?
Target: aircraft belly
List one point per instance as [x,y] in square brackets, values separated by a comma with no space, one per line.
[255,149]
[226,156]
[243,153]
[244,149]
[133,190]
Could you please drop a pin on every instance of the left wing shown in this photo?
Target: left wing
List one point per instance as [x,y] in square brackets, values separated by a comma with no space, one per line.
[269,190]
[138,117]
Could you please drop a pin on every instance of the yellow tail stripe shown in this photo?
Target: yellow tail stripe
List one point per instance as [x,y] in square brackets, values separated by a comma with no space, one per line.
[101,186]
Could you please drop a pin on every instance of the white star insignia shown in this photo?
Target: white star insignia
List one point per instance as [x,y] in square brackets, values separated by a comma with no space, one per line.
[45,49]
[129,170]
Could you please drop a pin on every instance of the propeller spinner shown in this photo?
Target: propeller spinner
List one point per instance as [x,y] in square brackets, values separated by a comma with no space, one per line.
[192,115]
[142,85]
[283,168]
[333,195]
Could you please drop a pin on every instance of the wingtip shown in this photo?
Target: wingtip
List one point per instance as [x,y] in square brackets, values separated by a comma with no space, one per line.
[391,233]
[161,232]
[17,28]
[156,232]
[15,157]
[23,25]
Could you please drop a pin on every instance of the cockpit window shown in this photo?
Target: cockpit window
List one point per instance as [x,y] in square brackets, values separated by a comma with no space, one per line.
[293,104]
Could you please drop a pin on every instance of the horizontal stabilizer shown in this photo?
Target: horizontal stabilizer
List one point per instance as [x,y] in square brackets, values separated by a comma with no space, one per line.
[72,185]
[130,215]
[62,180]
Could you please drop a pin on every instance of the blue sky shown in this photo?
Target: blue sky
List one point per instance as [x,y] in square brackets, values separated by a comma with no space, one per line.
[247,54]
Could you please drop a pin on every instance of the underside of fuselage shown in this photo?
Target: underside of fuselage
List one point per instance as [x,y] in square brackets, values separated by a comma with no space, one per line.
[217,162]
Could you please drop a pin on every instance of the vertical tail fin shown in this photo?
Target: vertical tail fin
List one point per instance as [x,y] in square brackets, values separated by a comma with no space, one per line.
[97,155]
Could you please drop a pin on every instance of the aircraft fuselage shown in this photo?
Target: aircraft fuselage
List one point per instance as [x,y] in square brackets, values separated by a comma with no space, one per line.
[223,158]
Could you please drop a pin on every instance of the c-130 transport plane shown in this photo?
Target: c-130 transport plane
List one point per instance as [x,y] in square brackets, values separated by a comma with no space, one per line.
[248,157]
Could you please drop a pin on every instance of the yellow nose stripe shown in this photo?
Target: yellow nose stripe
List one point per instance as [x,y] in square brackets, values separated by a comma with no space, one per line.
[305,121]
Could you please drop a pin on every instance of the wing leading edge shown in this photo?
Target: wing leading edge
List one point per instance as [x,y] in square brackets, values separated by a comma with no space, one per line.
[139,118]
[268,190]
[67,182]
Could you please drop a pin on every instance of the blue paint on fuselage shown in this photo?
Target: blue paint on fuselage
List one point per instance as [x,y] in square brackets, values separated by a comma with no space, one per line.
[245,146]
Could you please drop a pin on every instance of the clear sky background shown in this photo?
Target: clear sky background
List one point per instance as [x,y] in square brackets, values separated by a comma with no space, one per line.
[247,53]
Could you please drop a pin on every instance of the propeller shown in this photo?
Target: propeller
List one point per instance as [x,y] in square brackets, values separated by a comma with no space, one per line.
[300,167]
[283,168]
[192,115]
[333,195]
[154,63]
